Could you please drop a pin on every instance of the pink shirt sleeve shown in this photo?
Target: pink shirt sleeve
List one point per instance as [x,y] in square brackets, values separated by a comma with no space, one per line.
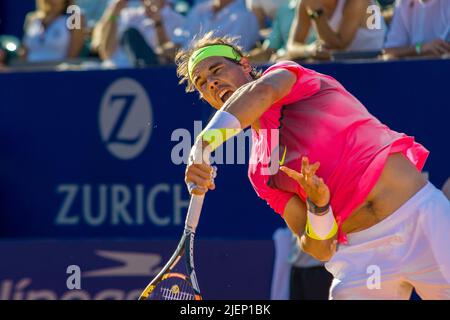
[306,85]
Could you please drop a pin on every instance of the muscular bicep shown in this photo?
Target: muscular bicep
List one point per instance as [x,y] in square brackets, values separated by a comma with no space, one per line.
[280,81]
[250,101]
[295,215]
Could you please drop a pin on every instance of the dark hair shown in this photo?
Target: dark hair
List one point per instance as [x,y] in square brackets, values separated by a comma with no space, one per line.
[208,39]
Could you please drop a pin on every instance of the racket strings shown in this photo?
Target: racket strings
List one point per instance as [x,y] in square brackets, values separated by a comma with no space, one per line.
[173,289]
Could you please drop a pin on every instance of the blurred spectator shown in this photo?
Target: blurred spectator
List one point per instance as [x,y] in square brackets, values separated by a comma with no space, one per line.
[265,10]
[279,288]
[137,35]
[297,275]
[275,45]
[446,188]
[339,24]
[224,17]
[419,28]
[387,9]
[47,36]
[92,10]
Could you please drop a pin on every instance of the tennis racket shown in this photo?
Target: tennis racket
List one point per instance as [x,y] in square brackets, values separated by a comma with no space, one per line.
[169,285]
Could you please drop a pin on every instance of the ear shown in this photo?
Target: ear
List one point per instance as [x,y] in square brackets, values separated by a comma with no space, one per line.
[246,65]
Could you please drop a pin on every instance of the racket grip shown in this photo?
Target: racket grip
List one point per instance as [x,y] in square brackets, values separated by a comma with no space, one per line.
[193,215]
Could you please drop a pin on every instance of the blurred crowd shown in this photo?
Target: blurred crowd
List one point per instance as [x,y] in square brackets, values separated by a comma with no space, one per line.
[137,33]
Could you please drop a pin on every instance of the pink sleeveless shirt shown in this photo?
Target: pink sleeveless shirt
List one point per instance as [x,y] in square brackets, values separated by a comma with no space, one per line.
[321,120]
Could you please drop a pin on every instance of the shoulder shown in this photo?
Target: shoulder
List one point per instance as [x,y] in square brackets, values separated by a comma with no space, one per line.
[291,66]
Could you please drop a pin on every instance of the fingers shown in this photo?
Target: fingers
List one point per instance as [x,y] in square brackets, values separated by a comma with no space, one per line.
[308,171]
[200,178]
[314,186]
[437,47]
[300,178]
[198,191]
[201,172]
[291,173]
[305,165]
[444,45]
[307,177]
[313,168]
[197,177]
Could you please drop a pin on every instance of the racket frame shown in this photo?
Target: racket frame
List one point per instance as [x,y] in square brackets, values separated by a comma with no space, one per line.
[186,241]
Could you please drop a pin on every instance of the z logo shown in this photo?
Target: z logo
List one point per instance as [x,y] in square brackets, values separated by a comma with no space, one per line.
[125,118]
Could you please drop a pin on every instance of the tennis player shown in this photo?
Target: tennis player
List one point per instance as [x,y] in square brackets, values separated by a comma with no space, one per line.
[346,176]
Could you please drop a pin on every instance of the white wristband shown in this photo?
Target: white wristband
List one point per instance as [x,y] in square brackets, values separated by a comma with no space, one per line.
[321,227]
[222,127]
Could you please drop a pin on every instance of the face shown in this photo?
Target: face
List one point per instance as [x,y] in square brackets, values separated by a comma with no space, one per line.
[153,5]
[217,78]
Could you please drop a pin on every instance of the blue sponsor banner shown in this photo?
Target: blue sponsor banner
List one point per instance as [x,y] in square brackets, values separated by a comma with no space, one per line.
[91,154]
[99,153]
[120,270]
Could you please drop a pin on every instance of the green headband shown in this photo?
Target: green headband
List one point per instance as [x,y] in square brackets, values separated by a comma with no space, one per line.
[216,50]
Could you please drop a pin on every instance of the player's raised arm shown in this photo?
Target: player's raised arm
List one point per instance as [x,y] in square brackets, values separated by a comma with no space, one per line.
[251,100]
[226,80]
[241,106]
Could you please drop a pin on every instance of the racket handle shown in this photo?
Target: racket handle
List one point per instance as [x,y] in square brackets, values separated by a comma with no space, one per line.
[193,215]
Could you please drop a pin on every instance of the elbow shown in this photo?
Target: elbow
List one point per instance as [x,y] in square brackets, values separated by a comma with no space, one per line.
[324,257]
[321,253]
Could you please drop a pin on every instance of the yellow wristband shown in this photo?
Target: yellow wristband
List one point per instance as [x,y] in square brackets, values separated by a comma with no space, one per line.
[216,137]
[310,232]
[222,127]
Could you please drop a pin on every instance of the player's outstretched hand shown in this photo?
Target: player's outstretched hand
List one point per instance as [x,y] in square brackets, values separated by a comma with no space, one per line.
[315,188]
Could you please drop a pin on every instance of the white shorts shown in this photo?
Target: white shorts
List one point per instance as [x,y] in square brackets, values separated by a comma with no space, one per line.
[410,248]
